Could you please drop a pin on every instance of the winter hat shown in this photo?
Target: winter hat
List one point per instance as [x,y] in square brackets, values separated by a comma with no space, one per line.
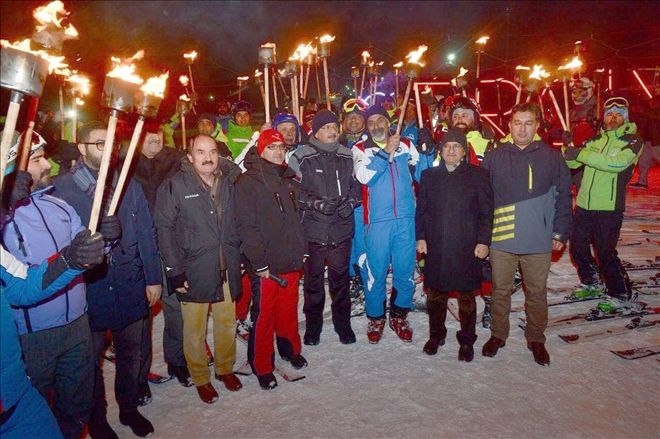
[38,143]
[374,110]
[206,116]
[455,135]
[322,118]
[617,105]
[241,106]
[267,138]
[281,118]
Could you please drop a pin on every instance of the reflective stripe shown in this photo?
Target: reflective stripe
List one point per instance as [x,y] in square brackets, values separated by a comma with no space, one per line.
[504,228]
[503,219]
[503,237]
[505,209]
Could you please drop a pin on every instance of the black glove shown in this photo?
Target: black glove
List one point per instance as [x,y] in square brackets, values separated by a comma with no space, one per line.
[16,190]
[424,137]
[345,207]
[571,153]
[85,251]
[176,282]
[566,138]
[325,205]
[110,228]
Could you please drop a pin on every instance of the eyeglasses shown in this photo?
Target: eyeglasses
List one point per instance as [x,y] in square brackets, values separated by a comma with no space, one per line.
[100,144]
[353,104]
[276,147]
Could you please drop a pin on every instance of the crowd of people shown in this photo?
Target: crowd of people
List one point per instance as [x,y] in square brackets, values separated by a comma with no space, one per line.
[230,224]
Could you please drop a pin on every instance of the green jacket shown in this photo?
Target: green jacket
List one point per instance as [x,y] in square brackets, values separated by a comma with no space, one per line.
[609,160]
[168,130]
[237,138]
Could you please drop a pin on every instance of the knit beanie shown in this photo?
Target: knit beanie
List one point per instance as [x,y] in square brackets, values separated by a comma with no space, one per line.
[455,135]
[267,138]
[376,109]
[322,118]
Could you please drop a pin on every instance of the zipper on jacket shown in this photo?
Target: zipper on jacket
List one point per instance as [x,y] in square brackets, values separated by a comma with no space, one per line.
[593,175]
[612,189]
[530,178]
[393,189]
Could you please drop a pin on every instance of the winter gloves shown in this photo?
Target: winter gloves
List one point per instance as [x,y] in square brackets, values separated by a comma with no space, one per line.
[85,251]
[346,206]
[16,189]
[424,137]
[329,206]
[110,228]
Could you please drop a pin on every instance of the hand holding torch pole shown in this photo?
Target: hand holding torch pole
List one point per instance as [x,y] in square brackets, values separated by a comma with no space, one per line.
[148,100]
[412,72]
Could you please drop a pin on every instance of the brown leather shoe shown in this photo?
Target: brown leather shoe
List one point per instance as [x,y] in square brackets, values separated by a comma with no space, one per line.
[541,355]
[231,381]
[432,345]
[492,346]
[207,393]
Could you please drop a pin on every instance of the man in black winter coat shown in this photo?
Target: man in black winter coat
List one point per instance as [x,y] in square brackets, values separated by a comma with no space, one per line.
[329,193]
[198,243]
[273,241]
[453,224]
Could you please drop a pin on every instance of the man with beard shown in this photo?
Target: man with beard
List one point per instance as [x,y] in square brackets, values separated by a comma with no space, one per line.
[465,115]
[224,114]
[608,161]
[120,291]
[532,217]
[329,193]
[55,335]
[389,217]
[195,220]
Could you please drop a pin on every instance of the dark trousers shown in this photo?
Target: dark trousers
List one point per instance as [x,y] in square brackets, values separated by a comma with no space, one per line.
[128,357]
[146,348]
[337,258]
[60,364]
[173,330]
[436,304]
[602,229]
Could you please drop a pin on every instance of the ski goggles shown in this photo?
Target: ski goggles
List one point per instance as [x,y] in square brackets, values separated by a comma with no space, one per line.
[354,104]
[616,103]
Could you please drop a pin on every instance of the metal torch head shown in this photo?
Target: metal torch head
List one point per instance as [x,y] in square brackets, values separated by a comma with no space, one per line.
[119,94]
[23,71]
[182,107]
[355,72]
[324,50]
[412,70]
[291,68]
[147,104]
[267,54]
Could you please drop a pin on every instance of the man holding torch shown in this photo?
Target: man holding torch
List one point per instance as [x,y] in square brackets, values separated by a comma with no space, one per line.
[121,290]
[389,217]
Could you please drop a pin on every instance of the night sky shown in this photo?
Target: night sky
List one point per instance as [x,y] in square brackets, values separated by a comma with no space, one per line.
[227,34]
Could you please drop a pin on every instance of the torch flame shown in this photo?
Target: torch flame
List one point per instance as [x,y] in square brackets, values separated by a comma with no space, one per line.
[79,102]
[302,52]
[243,78]
[183,79]
[483,40]
[462,72]
[49,15]
[573,64]
[125,70]
[191,56]
[327,38]
[258,73]
[184,97]
[155,86]
[365,56]
[538,73]
[55,63]
[80,83]
[522,68]
[415,56]
[398,65]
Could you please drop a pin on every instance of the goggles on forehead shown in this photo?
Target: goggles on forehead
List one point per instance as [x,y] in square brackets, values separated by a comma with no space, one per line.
[616,103]
[354,104]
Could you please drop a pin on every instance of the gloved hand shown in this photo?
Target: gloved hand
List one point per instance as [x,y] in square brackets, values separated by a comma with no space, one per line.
[345,207]
[110,228]
[424,137]
[571,153]
[85,251]
[325,205]
[16,189]
[566,138]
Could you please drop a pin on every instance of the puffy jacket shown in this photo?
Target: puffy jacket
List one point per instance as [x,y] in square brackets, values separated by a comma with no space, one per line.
[387,193]
[609,161]
[532,197]
[20,285]
[116,289]
[39,229]
[237,138]
[194,236]
[267,216]
[325,171]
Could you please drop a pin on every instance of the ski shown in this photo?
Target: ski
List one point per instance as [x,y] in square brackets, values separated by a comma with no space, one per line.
[635,324]
[639,352]
[155,378]
[281,370]
[587,317]
[565,300]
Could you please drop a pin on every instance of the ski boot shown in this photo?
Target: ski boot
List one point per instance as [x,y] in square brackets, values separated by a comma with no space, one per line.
[375,329]
[399,323]
[586,291]
[618,305]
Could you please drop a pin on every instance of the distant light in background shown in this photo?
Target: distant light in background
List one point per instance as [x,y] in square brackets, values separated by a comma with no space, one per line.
[451,57]
[211,98]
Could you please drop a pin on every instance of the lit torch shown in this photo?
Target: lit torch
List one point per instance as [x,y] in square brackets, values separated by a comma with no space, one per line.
[520,79]
[119,89]
[413,65]
[266,57]
[324,53]
[241,80]
[190,58]
[309,57]
[50,32]
[182,107]
[364,63]
[397,69]
[148,100]
[291,70]
[460,81]
[481,43]
[541,75]
[79,88]
[567,71]
[355,74]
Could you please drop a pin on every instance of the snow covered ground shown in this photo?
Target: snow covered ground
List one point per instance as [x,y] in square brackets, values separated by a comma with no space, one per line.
[395,390]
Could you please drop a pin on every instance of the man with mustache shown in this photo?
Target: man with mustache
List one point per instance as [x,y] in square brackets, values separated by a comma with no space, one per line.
[329,193]
[194,217]
[55,335]
[382,164]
